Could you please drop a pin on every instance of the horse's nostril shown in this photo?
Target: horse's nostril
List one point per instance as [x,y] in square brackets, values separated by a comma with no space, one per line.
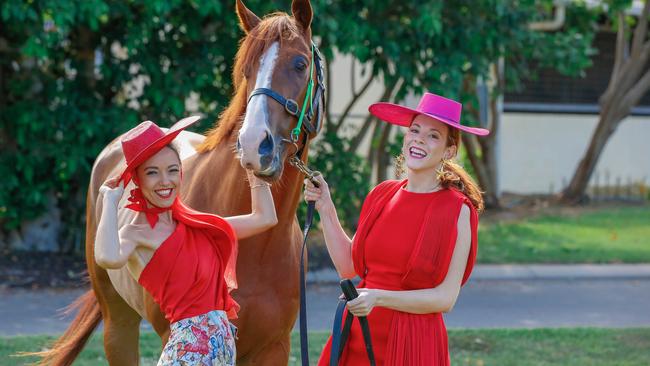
[238,145]
[266,147]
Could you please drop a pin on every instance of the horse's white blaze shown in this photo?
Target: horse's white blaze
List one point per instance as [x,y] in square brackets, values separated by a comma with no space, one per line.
[255,125]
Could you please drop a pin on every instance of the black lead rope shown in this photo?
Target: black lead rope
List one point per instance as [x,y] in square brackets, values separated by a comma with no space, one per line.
[340,337]
[304,342]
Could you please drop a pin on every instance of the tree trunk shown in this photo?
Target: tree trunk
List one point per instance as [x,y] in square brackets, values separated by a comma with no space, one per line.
[575,191]
[473,149]
[382,157]
[629,81]
[356,140]
[374,135]
[86,54]
[481,151]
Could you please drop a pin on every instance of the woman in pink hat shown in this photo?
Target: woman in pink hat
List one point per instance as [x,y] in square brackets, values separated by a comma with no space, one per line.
[185,259]
[416,242]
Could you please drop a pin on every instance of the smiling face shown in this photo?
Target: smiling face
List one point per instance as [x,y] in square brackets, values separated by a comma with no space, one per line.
[426,144]
[159,177]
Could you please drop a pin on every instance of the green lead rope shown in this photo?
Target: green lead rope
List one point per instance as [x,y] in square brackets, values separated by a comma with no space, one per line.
[296,131]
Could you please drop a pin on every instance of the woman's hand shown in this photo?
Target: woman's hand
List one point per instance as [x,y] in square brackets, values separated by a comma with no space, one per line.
[363,305]
[112,189]
[320,195]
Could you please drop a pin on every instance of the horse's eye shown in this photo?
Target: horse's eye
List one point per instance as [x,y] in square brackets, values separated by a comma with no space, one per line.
[300,64]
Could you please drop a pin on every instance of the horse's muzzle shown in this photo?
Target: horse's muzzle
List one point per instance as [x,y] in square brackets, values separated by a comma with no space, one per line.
[265,160]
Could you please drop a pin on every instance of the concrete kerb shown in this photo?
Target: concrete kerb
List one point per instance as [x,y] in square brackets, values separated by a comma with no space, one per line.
[504,272]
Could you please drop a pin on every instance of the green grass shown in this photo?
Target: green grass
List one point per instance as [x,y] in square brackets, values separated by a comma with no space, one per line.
[521,347]
[620,235]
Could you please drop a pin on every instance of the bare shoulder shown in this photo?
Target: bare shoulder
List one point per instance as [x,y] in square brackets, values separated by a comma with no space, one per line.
[463,217]
[464,221]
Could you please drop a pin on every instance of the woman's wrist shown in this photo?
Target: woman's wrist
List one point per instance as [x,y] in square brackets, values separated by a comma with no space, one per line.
[259,184]
[255,182]
[328,210]
[380,297]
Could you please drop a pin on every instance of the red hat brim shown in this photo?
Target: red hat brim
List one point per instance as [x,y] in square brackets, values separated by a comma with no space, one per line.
[403,116]
[156,146]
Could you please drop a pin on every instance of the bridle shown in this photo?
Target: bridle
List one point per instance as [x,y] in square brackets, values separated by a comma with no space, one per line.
[308,120]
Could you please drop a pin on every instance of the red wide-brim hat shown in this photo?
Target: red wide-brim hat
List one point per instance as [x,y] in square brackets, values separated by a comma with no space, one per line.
[145,140]
[439,108]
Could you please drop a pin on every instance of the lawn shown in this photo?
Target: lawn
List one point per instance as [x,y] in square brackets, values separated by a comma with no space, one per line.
[619,235]
[521,347]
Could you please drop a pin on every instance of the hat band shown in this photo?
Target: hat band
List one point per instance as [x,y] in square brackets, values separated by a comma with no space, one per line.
[440,116]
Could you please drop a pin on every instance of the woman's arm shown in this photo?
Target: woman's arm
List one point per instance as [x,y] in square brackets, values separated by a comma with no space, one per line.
[263,215]
[109,252]
[339,245]
[434,300]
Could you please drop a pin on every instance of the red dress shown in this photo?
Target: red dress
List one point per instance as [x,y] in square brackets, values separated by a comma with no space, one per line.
[404,242]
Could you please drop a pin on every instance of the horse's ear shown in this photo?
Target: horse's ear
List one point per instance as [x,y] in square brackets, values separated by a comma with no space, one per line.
[247,19]
[301,10]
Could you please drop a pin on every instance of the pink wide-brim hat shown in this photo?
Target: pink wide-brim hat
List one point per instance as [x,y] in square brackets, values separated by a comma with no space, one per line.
[439,108]
[145,140]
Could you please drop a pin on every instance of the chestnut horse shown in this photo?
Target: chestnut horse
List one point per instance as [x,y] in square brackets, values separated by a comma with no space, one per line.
[253,132]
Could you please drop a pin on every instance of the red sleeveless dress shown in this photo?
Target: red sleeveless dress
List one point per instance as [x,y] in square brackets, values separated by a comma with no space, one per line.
[193,271]
[404,242]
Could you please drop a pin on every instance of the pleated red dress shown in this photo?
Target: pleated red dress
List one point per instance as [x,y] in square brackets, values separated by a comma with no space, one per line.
[404,242]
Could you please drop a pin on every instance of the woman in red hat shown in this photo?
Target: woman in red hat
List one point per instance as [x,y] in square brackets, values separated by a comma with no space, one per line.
[416,241]
[185,259]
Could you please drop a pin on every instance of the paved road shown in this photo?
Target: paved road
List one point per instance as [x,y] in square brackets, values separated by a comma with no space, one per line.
[483,303]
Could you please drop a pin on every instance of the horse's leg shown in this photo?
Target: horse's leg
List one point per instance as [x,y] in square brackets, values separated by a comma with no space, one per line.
[273,354]
[155,316]
[121,323]
[121,334]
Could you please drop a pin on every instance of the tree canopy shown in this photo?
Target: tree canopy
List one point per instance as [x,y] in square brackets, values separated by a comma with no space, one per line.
[75,74]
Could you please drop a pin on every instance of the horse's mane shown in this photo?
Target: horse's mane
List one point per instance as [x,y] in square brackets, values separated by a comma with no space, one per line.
[275,27]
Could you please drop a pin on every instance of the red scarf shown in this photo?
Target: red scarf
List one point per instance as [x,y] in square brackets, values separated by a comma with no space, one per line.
[139,204]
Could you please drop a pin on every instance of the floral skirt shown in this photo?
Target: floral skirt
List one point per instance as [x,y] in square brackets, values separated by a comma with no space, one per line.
[206,340]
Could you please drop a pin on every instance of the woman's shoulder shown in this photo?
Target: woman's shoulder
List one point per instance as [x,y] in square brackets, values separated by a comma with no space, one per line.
[457,196]
[458,200]
[385,186]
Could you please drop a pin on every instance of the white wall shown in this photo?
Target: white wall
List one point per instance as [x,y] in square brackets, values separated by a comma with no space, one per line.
[540,152]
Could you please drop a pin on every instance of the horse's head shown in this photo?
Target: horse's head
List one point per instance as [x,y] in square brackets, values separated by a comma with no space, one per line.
[274,67]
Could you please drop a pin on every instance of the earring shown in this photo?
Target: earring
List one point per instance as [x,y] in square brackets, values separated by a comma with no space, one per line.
[440,171]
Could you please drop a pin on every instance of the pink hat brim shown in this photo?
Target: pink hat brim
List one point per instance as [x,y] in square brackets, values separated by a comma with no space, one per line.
[403,116]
